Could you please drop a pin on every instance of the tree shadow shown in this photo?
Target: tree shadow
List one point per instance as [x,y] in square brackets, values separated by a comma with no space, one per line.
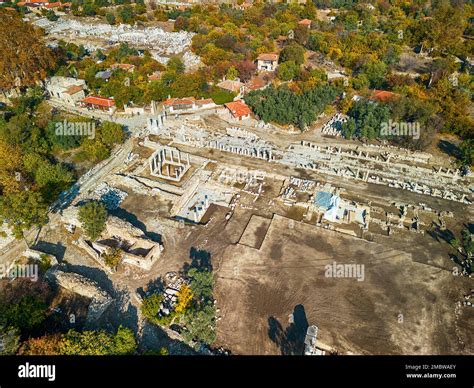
[290,340]
[200,259]
[449,148]
[441,235]
[66,198]
[152,287]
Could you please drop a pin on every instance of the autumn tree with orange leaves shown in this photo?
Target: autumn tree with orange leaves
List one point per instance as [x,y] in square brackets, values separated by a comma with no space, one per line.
[185,297]
[25,58]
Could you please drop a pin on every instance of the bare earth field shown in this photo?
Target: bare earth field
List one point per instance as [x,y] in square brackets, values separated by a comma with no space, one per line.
[401,307]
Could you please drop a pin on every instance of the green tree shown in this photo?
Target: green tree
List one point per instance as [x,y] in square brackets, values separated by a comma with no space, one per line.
[9,340]
[53,178]
[126,14]
[288,70]
[466,149]
[175,65]
[376,72]
[455,243]
[88,9]
[349,128]
[91,343]
[124,341]
[99,54]
[93,216]
[86,343]
[151,306]
[201,283]
[23,305]
[360,82]
[22,211]
[113,257]
[200,325]
[110,17]
[293,52]
[96,150]
[111,133]
[232,73]
[51,16]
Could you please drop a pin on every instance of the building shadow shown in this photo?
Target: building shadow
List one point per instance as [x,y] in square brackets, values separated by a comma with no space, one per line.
[57,250]
[95,274]
[132,218]
[290,340]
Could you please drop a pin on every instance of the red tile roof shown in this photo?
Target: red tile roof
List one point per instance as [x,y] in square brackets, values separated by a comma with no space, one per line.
[100,101]
[305,22]
[255,83]
[230,85]
[238,108]
[268,57]
[53,5]
[383,95]
[155,76]
[179,101]
[204,101]
[123,66]
[73,89]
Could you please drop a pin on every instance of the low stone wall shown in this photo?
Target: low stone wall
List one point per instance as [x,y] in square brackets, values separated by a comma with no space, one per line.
[83,286]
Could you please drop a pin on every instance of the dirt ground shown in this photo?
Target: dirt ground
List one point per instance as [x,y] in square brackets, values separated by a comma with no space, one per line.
[268,297]
[255,232]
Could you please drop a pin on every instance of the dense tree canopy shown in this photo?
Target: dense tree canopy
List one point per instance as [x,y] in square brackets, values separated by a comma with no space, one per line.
[25,59]
[86,343]
[284,106]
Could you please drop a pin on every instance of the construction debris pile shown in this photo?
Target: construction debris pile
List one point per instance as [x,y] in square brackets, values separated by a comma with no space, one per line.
[334,126]
[109,196]
[170,295]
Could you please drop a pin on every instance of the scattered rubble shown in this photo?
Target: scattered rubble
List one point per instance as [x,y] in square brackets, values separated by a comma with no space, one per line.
[153,38]
[109,196]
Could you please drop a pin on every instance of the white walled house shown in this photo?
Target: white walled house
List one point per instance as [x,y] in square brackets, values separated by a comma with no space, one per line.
[65,89]
[267,62]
